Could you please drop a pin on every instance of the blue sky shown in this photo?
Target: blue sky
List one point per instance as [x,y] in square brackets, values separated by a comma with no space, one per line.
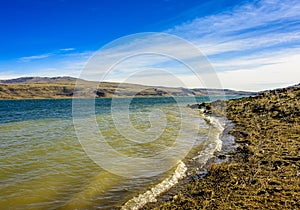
[252,45]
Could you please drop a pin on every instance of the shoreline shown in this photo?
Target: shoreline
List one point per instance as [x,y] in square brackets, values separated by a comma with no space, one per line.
[264,170]
[184,168]
[111,97]
[224,146]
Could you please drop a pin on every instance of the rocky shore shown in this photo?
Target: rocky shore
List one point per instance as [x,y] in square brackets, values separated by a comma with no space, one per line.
[263,172]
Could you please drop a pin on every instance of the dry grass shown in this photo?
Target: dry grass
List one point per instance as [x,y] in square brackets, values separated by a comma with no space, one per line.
[21,91]
[264,171]
[63,87]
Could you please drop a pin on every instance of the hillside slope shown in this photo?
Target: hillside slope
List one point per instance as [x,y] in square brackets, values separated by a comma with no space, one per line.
[264,171]
[63,87]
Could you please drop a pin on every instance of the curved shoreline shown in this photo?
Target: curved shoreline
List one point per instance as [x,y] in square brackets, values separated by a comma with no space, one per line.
[263,171]
[213,145]
[150,195]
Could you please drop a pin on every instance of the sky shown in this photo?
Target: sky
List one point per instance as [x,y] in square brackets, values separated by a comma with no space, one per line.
[250,45]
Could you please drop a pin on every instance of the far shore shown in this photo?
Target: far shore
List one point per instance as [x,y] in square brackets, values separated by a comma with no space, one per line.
[59,98]
[64,87]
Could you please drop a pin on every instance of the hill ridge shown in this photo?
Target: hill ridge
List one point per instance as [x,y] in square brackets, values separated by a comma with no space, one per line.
[64,87]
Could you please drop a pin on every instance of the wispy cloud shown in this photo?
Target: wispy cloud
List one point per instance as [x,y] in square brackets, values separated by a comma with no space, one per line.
[251,46]
[253,40]
[67,49]
[253,26]
[145,52]
[50,64]
[60,52]
[34,57]
[285,72]
[10,75]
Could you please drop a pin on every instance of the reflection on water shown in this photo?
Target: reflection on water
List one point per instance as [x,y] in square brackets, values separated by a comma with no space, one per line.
[43,165]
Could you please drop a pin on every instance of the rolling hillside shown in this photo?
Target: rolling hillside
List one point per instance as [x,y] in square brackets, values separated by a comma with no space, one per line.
[63,87]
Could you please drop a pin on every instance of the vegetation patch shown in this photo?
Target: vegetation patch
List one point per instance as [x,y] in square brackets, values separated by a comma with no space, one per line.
[264,171]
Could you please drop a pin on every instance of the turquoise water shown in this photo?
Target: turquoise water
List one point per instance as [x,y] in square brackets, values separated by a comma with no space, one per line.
[43,165]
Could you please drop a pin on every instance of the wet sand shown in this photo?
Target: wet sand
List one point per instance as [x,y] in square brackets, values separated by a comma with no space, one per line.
[263,172]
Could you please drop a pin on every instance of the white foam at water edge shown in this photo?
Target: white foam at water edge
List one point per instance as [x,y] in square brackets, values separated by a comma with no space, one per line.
[214,142]
[150,195]
[217,123]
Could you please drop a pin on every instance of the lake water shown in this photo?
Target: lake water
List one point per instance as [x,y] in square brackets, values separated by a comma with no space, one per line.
[44,166]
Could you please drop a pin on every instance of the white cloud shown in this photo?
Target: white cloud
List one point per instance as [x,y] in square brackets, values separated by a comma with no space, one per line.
[56,72]
[281,74]
[284,73]
[251,15]
[145,52]
[253,25]
[34,57]
[255,30]
[248,62]
[67,49]
[254,46]
[10,75]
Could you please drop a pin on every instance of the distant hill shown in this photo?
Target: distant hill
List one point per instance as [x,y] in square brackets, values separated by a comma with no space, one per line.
[63,87]
[40,80]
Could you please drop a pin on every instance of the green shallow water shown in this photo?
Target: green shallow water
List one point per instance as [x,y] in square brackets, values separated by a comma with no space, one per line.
[43,165]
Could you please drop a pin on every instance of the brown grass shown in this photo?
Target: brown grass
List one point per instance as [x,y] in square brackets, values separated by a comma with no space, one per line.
[63,87]
[264,171]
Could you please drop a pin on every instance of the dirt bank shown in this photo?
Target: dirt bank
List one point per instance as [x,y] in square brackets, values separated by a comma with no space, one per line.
[263,172]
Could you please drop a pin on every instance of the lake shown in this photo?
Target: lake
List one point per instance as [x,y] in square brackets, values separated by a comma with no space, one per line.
[45,166]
